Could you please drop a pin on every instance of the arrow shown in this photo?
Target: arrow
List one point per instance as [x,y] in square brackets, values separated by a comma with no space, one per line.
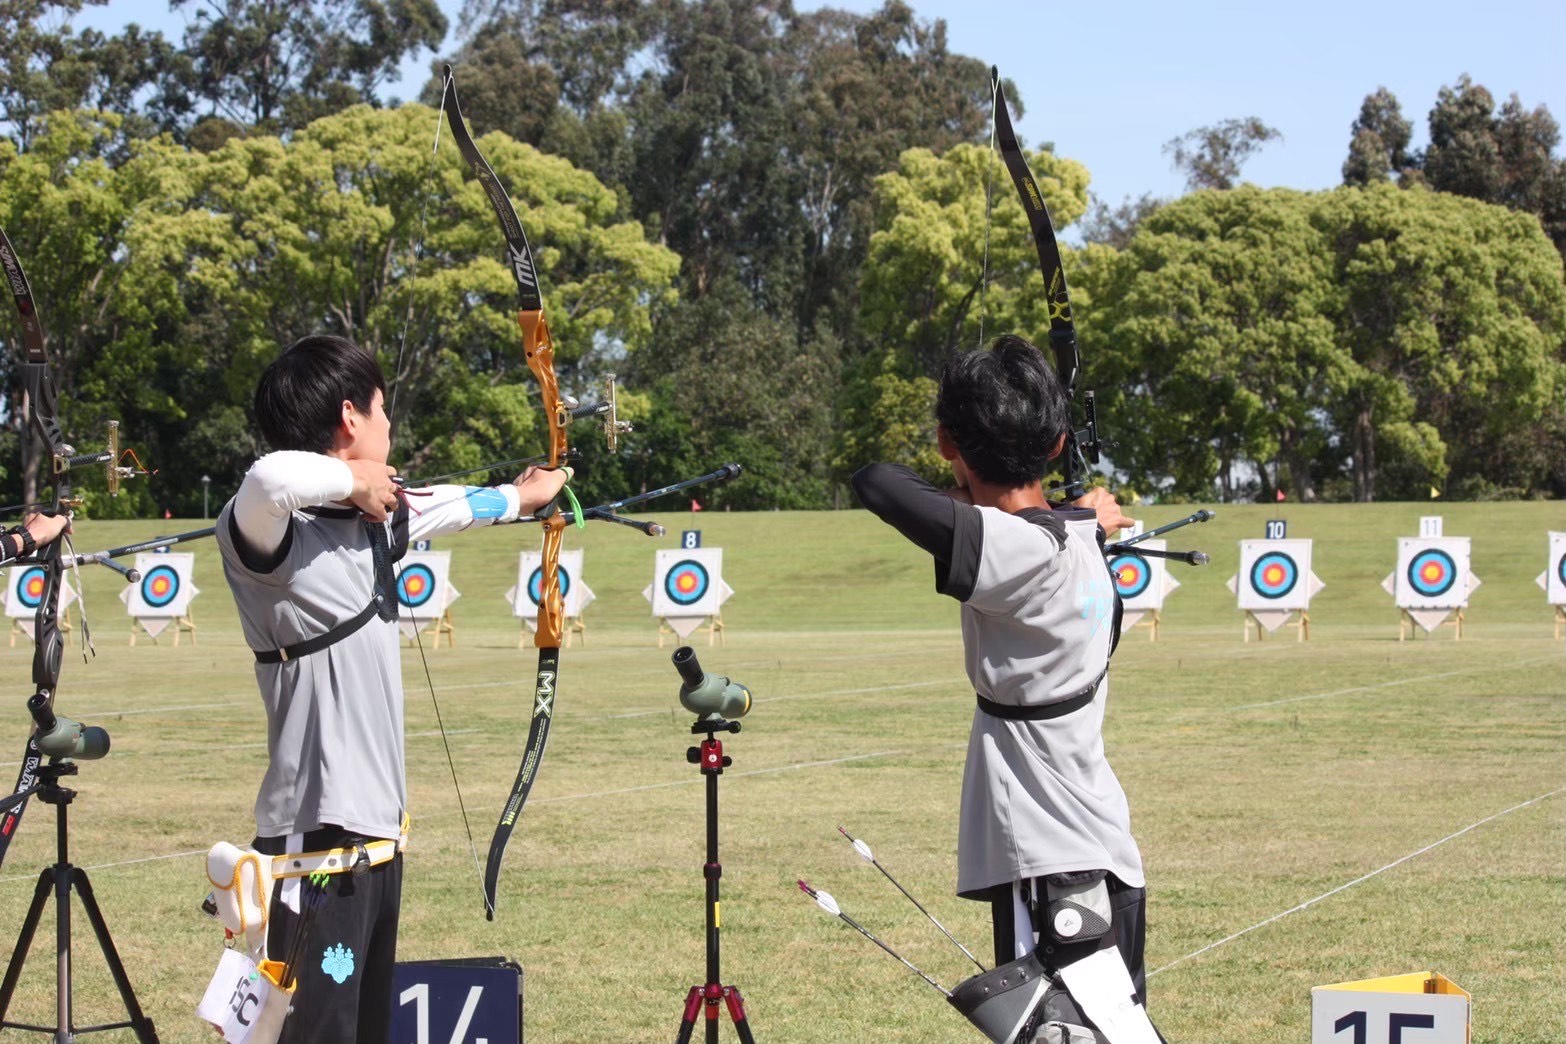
[828,904]
[864,850]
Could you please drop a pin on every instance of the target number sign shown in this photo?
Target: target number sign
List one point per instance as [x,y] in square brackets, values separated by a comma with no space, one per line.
[1275,574]
[1432,573]
[1277,529]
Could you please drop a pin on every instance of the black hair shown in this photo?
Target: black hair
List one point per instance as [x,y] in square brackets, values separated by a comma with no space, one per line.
[1004,409]
[299,398]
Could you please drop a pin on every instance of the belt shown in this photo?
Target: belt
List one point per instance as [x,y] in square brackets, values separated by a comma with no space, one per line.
[355,858]
[1042,711]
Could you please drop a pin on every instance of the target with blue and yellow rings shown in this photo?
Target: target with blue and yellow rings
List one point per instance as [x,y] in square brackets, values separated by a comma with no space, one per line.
[1274,574]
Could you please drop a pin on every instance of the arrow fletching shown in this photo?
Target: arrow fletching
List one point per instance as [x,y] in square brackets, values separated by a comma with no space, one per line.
[823,899]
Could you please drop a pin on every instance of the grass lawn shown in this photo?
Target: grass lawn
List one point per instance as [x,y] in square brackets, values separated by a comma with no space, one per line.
[1308,812]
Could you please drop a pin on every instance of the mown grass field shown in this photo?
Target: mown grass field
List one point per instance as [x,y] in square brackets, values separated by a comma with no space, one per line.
[1262,776]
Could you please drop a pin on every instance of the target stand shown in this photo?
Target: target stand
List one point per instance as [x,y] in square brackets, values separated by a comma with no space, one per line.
[1301,626]
[1560,621]
[1410,627]
[64,626]
[1152,618]
[713,625]
[182,624]
[441,625]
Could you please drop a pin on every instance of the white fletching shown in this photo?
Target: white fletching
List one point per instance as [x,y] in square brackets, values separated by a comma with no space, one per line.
[864,850]
[827,903]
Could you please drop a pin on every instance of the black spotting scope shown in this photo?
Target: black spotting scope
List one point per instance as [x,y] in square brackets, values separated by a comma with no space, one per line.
[60,738]
[711,697]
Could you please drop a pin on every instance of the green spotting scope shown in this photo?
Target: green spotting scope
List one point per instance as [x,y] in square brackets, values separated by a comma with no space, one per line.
[711,697]
[60,738]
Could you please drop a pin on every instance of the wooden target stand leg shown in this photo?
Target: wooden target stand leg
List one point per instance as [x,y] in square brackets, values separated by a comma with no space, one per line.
[446,627]
[1303,632]
[1560,621]
[186,623]
[1249,622]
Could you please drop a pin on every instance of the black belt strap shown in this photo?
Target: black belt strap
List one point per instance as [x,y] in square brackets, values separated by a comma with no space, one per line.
[320,641]
[1042,711]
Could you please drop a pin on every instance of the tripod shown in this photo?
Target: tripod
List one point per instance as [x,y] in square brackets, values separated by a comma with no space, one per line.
[712,761]
[61,878]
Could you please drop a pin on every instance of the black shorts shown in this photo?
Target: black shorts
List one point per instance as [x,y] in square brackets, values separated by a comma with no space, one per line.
[345,969]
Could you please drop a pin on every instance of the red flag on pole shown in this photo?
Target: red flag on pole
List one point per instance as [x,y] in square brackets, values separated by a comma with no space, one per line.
[695,504]
[1282,495]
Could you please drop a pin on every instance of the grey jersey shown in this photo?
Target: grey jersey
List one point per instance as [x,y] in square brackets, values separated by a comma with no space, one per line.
[1038,797]
[334,717]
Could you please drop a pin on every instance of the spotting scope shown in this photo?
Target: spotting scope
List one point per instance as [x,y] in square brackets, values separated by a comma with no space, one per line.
[711,697]
[60,738]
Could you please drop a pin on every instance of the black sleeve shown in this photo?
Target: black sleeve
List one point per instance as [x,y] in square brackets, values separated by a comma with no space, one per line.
[254,560]
[951,532]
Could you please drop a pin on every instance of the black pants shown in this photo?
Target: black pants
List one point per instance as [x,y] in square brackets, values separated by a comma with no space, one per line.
[1130,920]
[345,972]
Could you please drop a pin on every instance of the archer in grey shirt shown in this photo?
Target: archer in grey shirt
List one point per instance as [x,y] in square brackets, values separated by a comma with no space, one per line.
[1038,796]
[300,565]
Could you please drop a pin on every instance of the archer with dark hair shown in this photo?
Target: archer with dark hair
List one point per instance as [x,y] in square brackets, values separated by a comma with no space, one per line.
[1044,825]
[308,543]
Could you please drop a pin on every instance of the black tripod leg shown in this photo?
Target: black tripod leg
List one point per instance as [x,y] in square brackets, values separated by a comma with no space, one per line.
[24,940]
[688,1021]
[736,1003]
[139,1021]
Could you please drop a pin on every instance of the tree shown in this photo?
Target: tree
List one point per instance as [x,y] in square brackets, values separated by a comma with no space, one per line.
[1378,141]
[276,65]
[1114,227]
[1211,157]
[45,66]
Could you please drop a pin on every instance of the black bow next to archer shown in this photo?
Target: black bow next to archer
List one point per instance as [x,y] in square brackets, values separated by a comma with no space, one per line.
[1083,446]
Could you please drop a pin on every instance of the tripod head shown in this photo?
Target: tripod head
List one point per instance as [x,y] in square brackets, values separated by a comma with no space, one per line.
[711,697]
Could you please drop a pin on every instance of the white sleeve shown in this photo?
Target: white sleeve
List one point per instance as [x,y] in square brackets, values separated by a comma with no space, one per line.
[451,509]
[279,484]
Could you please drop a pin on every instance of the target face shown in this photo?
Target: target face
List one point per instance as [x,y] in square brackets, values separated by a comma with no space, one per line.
[1274,574]
[686,582]
[416,585]
[1560,569]
[1133,575]
[160,586]
[30,586]
[535,584]
[1432,573]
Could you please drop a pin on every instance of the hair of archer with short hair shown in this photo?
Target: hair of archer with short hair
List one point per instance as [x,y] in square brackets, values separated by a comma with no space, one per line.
[298,402]
[1004,409]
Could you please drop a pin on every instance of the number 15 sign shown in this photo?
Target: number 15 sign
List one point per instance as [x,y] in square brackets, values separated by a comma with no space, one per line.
[1422,1008]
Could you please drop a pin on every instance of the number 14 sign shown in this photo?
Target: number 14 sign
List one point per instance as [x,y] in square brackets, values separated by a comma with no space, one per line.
[1422,1008]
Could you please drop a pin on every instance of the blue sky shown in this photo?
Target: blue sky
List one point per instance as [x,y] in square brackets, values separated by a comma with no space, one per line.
[1110,82]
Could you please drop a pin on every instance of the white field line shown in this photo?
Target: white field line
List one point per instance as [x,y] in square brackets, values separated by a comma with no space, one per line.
[1358,880]
[1484,667]
[682,782]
